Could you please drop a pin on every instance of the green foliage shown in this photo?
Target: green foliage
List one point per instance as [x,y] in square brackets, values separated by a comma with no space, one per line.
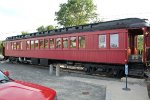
[41,29]
[76,12]
[24,32]
[140,42]
[49,27]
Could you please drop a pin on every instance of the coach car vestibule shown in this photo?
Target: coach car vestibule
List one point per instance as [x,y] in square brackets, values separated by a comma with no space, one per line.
[139,45]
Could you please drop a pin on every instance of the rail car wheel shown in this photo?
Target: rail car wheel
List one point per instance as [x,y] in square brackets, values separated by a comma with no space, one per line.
[121,73]
[114,72]
[91,70]
[88,69]
[11,59]
[118,73]
[85,69]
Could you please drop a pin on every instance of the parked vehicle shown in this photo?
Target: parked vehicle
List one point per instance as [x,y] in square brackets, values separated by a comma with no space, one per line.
[104,46]
[11,89]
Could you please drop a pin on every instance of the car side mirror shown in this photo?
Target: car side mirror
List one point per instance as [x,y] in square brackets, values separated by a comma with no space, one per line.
[6,73]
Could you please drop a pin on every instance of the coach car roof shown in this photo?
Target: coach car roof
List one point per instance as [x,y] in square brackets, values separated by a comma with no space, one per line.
[108,25]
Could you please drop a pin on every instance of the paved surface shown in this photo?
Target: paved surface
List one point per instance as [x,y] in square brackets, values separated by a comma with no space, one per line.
[66,89]
[114,89]
[78,87]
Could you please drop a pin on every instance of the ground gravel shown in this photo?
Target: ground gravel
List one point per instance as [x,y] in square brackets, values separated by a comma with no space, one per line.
[66,89]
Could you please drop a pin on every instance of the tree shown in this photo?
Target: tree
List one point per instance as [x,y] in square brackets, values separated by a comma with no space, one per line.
[24,32]
[40,29]
[76,12]
[49,27]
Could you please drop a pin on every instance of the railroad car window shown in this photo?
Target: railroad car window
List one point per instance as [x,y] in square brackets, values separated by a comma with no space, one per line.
[14,46]
[18,45]
[41,44]
[58,43]
[46,43]
[65,42]
[82,42]
[73,42]
[32,44]
[36,43]
[51,43]
[28,44]
[114,40]
[102,41]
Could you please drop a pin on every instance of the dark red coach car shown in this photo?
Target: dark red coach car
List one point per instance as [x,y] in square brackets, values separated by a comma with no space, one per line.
[105,46]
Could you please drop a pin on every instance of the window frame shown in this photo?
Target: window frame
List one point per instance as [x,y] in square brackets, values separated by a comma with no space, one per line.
[32,46]
[41,46]
[36,45]
[51,47]
[113,39]
[47,43]
[18,45]
[56,43]
[71,42]
[84,42]
[67,43]
[28,48]
[14,46]
[100,42]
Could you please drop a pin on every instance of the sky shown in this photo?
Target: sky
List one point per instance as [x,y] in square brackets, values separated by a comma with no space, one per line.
[26,15]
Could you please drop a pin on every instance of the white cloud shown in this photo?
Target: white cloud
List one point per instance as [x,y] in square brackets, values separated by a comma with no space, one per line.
[26,15]
[114,9]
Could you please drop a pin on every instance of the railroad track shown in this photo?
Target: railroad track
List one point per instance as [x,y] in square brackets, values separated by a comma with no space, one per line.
[80,71]
[83,73]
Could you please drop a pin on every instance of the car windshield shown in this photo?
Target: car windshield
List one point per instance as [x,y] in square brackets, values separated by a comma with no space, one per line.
[3,77]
